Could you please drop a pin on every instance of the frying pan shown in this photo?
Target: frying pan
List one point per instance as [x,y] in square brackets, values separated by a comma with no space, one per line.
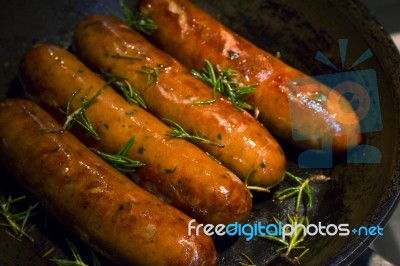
[358,194]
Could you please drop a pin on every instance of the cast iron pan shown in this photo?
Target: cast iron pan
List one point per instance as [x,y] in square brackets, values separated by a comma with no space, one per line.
[358,194]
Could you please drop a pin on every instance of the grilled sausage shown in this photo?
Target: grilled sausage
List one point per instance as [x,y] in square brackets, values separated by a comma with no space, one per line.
[319,113]
[176,170]
[97,203]
[104,42]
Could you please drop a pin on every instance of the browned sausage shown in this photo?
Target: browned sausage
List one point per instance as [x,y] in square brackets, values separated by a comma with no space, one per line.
[178,171]
[89,197]
[192,36]
[102,41]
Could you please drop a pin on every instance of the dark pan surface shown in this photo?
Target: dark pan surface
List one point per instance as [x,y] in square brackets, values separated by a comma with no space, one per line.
[358,194]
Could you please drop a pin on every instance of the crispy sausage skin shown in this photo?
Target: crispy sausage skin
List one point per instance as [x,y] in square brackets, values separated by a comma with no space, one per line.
[192,36]
[93,200]
[176,170]
[103,42]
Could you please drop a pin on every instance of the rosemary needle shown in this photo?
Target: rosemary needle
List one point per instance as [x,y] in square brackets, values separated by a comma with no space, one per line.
[295,240]
[300,190]
[77,257]
[179,132]
[119,161]
[127,56]
[16,221]
[152,74]
[131,94]
[79,115]
[250,262]
[225,82]
[254,188]
[139,21]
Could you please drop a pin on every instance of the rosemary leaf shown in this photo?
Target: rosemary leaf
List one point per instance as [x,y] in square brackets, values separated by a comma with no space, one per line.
[77,261]
[152,74]
[250,262]
[48,252]
[294,240]
[127,56]
[179,132]
[301,188]
[119,161]
[131,94]
[139,21]
[16,221]
[254,188]
[79,115]
[225,82]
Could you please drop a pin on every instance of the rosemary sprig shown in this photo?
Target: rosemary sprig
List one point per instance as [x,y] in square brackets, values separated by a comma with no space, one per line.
[131,94]
[79,115]
[302,191]
[139,21]
[254,188]
[249,262]
[225,82]
[127,56]
[179,132]
[77,260]
[95,259]
[120,161]
[213,157]
[152,74]
[48,252]
[295,240]
[208,76]
[16,221]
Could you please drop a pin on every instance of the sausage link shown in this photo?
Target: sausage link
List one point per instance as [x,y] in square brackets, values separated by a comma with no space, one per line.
[319,113]
[176,170]
[90,198]
[104,43]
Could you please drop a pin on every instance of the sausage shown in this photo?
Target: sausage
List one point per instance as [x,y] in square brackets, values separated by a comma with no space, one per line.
[319,113]
[101,42]
[90,198]
[176,170]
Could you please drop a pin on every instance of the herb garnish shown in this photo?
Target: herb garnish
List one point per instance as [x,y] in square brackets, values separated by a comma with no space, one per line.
[212,157]
[179,132]
[249,260]
[77,260]
[254,188]
[295,239]
[131,94]
[152,74]
[127,56]
[79,115]
[303,193]
[301,190]
[225,82]
[48,252]
[120,161]
[16,221]
[303,186]
[139,21]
